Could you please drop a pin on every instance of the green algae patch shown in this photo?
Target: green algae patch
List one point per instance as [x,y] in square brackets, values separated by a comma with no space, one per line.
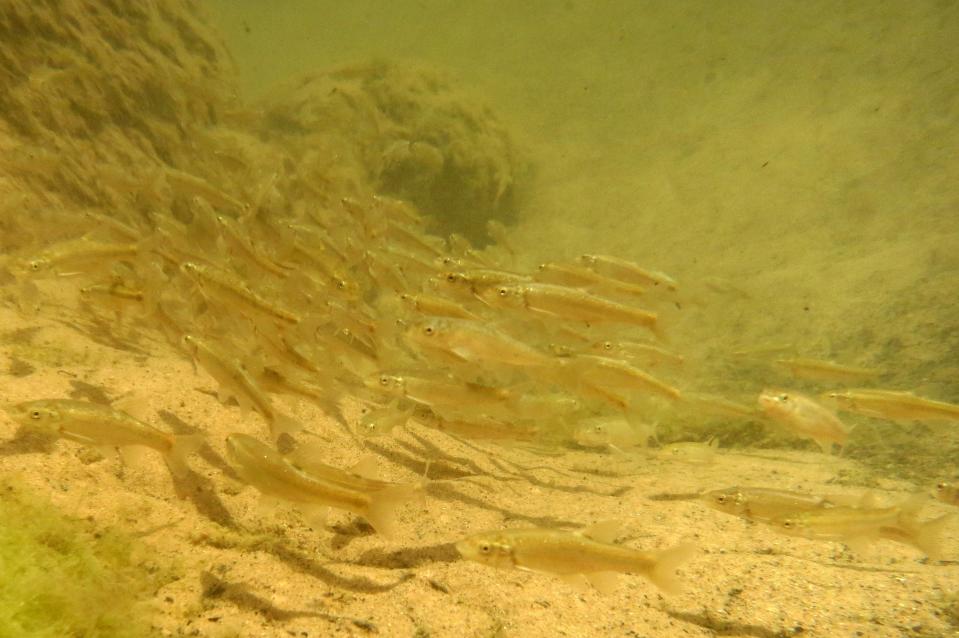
[63,577]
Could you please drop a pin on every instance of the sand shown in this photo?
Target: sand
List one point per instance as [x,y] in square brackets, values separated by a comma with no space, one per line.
[241,570]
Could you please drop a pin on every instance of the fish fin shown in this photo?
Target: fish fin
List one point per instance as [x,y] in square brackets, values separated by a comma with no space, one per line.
[367,467]
[605,583]
[183,446]
[929,536]
[603,531]
[664,573]
[381,513]
[284,424]
[578,582]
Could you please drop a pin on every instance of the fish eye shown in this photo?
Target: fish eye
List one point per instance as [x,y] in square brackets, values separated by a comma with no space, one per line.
[34,266]
[783,397]
[384,380]
[35,414]
[429,331]
[788,524]
[721,499]
[485,548]
[340,284]
[607,345]
[503,292]
[450,277]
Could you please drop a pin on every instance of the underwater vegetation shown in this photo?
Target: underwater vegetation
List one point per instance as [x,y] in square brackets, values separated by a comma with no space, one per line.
[64,577]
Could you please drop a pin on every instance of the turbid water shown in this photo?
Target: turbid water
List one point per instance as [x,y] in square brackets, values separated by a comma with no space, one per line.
[583,320]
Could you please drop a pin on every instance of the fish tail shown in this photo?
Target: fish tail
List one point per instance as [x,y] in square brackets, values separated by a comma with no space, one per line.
[183,446]
[928,536]
[381,513]
[663,574]
[282,424]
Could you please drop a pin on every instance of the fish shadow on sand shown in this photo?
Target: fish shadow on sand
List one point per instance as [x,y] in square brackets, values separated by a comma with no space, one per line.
[198,489]
[303,563]
[408,557]
[27,441]
[729,628]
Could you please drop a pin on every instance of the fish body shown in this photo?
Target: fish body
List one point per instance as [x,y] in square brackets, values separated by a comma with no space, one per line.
[236,381]
[627,271]
[435,306]
[762,504]
[101,426]
[610,432]
[276,477]
[567,303]
[229,287]
[695,452]
[76,255]
[817,369]
[474,341]
[572,555]
[948,493]
[804,417]
[601,372]
[894,405]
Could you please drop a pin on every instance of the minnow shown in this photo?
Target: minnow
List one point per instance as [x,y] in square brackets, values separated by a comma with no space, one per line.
[236,381]
[101,426]
[576,557]
[804,417]
[432,392]
[473,341]
[276,477]
[636,350]
[191,185]
[948,493]
[226,285]
[581,277]
[567,303]
[695,452]
[597,371]
[817,369]
[76,254]
[484,427]
[762,504]
[856,526]
[229,230]
[615,433]
[382,421]
[476,280]
[435,306]
[623,270]
[893,405]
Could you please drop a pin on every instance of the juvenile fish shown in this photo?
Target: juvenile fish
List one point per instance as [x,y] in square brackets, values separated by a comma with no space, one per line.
[101,426]
[615,433]
[228,287]
[575,557]
[694,452]
[472,341]
[894,405]
[762,504]
[75,255]
[276,477]
[236,381]
[804,417]
[623,270]
[817,369]
[603,371]
[435,306]
[857,526]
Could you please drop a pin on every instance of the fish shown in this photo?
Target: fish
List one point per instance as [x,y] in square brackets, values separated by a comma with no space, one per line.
[191,185]
[276,477]
[579,558]
[571,304]
[382,421]
[601,372]
[627,271]
[893,405]
[761,503]
[475,342]
[484,427]
[67,257]
[229,230]
[615,433]
[433,392]
[237,382]
[804,417]
[227,286]
[580,277]
[819,370]
[858,526]
[948,493]
[435,306]
[633,350]
[695,452]
[101,426]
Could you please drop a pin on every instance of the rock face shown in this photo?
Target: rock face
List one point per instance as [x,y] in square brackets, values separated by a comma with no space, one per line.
[410,133]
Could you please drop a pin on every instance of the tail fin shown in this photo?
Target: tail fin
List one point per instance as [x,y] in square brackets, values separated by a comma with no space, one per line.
[183,446]
[663,574]
[381,513]
[928,536]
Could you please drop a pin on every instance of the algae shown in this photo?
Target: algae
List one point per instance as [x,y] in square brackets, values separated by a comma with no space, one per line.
[64,577]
